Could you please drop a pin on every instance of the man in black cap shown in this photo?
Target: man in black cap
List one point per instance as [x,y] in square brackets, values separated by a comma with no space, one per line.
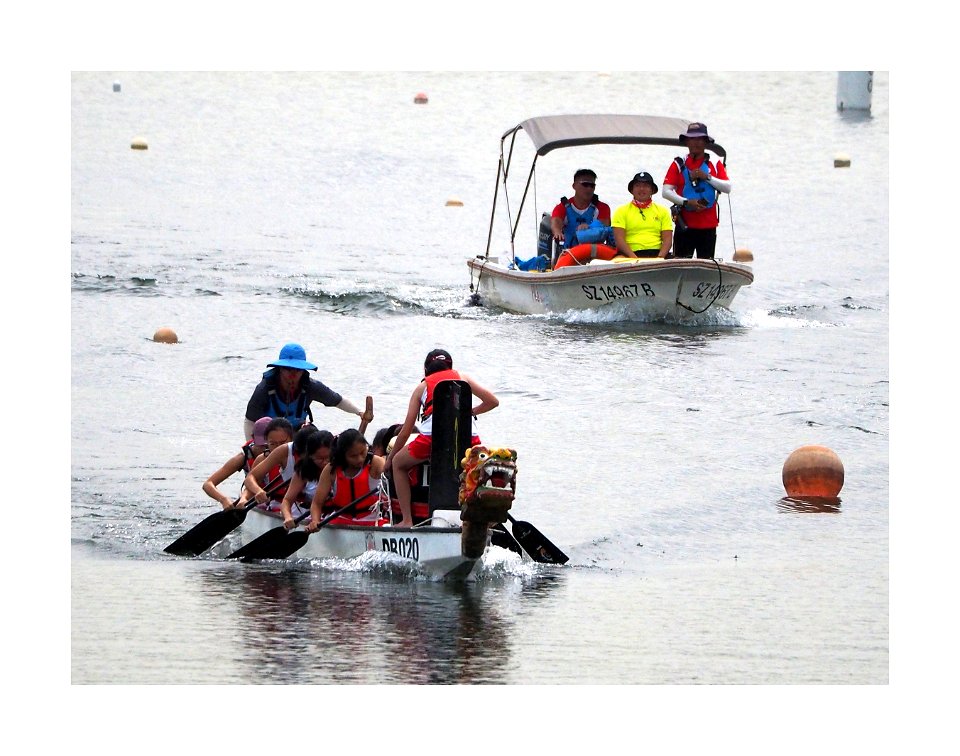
[642,228]
[693,185]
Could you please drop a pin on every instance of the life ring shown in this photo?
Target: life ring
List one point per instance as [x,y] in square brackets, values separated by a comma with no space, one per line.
[584,253]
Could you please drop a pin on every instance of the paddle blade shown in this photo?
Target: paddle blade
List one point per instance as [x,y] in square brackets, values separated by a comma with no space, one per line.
[500,537]
[205,534]
[536,544]
[278,543]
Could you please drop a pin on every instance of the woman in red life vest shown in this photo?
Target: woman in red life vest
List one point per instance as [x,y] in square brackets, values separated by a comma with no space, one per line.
[244,461]
[437,367]
[352,472]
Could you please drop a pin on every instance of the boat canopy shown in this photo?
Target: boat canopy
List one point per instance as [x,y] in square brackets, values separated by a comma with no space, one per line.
[555,131]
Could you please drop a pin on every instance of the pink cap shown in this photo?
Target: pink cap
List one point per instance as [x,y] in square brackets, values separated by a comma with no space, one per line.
[260,431]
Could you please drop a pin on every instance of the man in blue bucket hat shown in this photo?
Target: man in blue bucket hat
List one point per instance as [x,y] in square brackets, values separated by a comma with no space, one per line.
[287,390]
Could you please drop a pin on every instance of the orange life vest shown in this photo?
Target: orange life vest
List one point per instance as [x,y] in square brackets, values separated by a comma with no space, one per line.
[432,380]
[347,489]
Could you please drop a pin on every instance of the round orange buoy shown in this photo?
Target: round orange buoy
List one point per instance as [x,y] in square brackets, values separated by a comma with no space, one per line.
[420,98]
[454,203]
[165,336]
[813,471]
[743,255]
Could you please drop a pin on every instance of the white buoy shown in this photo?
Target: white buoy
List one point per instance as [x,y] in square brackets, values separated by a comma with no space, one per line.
[854,90]
[841,160]
[116,86]
[138,143]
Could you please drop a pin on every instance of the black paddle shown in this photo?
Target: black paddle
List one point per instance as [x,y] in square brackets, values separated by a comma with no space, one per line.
[215,527]
[279,543]
[536,544]
[500,536]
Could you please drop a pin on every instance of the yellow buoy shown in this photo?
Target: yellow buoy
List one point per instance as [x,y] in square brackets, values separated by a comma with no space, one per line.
[420,98]
[743,255]
[454,203]
[841,161]
[813,471]
[139,143]
[165,336]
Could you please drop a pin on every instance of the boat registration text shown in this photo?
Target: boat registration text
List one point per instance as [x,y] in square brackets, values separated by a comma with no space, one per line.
[405,547]
[611,293]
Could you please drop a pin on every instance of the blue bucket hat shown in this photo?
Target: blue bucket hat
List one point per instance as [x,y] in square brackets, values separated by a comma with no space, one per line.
[293,356]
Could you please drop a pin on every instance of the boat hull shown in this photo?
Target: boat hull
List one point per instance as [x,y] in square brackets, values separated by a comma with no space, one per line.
[673,290]
[436,549]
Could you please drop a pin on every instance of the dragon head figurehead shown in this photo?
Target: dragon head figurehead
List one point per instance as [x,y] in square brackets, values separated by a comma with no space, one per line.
[488,483]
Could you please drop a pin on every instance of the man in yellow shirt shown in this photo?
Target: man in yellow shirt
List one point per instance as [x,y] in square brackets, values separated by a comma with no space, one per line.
[642,228]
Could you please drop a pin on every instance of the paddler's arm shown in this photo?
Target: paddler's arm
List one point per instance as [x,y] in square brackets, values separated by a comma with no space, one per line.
[278,457]
[286,506]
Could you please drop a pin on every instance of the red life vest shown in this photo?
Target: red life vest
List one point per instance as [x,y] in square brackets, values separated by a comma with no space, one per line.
[348,489]
[432,380]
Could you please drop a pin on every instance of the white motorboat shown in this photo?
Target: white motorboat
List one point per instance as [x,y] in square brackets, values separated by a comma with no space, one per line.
[672,289]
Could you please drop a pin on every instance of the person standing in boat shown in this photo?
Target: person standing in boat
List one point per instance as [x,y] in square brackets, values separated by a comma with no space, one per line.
[352,472]
[578,213]
[287,390]
[438,366]
[642,228]
[693,184]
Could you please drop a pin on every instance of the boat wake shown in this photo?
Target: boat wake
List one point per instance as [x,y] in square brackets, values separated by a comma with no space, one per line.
[495,563]
[620,312]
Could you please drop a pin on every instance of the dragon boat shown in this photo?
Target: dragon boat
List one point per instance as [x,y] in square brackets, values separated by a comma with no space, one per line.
[468,492]
[590,276]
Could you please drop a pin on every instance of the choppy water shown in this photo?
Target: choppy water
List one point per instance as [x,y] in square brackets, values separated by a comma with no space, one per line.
[312,208]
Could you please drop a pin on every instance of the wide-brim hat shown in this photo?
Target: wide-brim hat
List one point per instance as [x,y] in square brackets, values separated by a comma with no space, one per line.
[696,130]
[644,178]
[293,356]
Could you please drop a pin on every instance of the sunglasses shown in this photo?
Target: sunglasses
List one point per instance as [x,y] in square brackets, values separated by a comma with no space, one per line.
[589,184]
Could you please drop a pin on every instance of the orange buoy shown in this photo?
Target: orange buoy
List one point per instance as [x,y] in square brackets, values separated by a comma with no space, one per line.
[813,471]
[743,254]
[584,253]
[165,336]
[454,203]
[420,98]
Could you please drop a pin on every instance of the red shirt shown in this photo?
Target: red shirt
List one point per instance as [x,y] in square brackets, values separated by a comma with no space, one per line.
[696,218]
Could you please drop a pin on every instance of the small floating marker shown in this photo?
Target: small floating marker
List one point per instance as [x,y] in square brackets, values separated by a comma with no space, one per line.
[420,98]
[139,143]
[116,86]
[841,161]
[743,255]
[454,203]
[814,471]
[166,336]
